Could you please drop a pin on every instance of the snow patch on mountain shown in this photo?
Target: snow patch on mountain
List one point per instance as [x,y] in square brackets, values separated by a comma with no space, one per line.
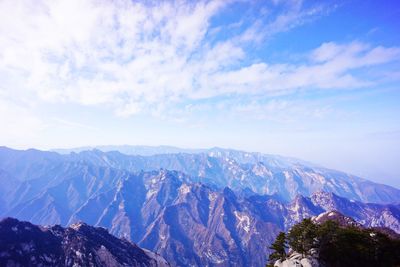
[243,221]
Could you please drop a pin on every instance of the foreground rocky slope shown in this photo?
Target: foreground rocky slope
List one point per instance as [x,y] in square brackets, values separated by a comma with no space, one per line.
[332,239]
[25,244]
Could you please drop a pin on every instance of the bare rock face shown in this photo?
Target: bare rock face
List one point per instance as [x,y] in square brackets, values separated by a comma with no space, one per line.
[193,225]
[25,244]
[297,260]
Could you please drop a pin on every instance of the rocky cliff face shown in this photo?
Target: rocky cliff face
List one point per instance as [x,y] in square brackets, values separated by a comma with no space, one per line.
[25,244]
[189,224]
[297,260]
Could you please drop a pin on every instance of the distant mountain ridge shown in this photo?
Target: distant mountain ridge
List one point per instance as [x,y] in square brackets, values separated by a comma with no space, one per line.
[200,209]
[137,150]
[262,174]
[132,150]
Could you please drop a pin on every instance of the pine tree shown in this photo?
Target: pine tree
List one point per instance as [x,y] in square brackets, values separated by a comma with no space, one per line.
[303,237]
[279,249]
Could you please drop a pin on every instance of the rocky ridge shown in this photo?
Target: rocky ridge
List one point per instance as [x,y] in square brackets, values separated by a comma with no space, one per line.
[25,244]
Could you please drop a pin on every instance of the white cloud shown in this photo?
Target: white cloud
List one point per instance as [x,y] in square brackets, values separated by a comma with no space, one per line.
[135,57]
[285,112]
[330,68]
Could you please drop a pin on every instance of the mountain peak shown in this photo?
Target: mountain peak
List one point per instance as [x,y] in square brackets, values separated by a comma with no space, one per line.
[336,216]
[78,225]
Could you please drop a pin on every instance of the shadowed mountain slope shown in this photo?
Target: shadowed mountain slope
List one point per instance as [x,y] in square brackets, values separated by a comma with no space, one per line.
[25,244]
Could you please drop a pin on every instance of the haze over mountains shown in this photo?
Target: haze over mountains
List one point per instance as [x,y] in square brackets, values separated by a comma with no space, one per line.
[133,150]
[238,169]
[214,207]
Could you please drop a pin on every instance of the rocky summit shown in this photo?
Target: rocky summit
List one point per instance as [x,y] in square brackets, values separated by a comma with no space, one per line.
[25,244]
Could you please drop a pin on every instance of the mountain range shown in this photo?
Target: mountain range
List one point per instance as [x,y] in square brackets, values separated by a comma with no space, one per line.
[213,207]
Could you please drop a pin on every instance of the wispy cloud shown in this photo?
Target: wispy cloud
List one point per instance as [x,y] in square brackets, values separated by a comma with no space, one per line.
[134,57]
[72,124]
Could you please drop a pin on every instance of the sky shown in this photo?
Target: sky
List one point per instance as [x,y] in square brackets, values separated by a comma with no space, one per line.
[317,80]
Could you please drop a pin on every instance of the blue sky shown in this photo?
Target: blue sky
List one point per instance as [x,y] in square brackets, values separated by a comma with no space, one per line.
[318,80]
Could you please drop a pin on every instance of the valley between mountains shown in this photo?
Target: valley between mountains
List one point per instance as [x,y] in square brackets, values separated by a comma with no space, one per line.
[215,207]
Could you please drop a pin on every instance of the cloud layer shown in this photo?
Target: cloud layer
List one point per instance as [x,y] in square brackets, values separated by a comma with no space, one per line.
[134,57]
